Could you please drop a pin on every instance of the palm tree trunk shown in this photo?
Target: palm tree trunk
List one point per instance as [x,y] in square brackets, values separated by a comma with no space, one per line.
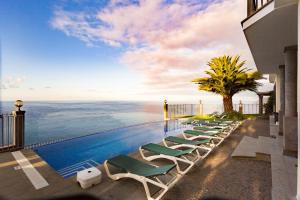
[227,102]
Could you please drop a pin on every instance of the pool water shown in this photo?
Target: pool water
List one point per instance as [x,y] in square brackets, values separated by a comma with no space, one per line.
[76,154]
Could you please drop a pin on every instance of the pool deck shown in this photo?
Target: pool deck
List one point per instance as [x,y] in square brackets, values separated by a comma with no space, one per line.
[219,175]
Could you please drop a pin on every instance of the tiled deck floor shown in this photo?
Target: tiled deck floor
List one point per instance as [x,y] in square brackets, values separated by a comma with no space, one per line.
[219,175]
[283,168]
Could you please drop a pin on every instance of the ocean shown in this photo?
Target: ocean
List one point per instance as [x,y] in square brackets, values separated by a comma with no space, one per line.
[46,121]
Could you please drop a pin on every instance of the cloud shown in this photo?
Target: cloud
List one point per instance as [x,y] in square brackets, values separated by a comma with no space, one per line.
[12,82]
[127,22]
[167,42]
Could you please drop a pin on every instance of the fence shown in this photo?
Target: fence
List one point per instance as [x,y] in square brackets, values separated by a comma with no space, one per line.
[182,110]
[11,132]
[6,131]
[247,108]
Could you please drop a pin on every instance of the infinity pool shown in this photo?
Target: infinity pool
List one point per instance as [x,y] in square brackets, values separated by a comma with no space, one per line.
[76,154]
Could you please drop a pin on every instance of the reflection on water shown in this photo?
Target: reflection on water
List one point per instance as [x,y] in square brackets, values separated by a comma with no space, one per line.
[172,125]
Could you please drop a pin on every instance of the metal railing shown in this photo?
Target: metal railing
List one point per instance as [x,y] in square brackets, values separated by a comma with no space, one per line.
[12,131]
[254,5]
[247,108]
[184,110]
[7,141]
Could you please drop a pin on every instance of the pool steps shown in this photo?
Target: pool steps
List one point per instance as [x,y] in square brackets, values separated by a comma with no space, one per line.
[73,169]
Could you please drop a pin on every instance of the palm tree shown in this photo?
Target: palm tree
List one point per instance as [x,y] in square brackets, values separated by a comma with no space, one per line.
[227,76]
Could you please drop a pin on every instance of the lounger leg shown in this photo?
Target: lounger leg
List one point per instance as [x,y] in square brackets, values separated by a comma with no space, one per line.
[143,180]
[184,135]
[142,153]
[114,177]
[163,187]
[165,143]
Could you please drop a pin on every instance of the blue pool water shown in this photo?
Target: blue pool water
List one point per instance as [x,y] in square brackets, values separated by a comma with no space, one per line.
[73,155]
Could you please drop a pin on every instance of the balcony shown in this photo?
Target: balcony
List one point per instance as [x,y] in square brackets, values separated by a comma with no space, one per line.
[254,6]
[270,26]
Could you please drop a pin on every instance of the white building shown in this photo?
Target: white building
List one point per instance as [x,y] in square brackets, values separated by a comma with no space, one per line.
[271,30]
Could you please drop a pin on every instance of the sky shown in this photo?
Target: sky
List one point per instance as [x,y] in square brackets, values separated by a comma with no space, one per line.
[141,50]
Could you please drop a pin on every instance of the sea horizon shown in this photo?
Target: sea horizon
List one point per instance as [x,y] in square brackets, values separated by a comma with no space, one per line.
[54,120]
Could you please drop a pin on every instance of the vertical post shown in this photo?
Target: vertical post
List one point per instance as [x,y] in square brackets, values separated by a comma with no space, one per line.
[251,7]
[273,95]
[298,107]
[166,116]
[260,104]
[241,107]
[200,108]
[281,98]
[290,125]
[19,125]
[166,126]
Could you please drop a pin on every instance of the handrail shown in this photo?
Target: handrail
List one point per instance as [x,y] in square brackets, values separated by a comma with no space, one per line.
[183,110]
[254,6]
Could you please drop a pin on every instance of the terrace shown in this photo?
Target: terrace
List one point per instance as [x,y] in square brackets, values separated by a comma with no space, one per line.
[243,152]
[209,178]
[256,161]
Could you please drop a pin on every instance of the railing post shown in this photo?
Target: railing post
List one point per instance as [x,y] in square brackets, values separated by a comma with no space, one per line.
[166,110]
[19,125]
[241,107]
[251,7]
[200,108]
[261,106]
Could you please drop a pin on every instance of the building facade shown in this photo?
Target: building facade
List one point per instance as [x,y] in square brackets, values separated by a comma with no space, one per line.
[271,30]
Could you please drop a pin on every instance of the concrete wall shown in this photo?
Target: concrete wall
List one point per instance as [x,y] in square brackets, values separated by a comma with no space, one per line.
[298,106]
[279,3]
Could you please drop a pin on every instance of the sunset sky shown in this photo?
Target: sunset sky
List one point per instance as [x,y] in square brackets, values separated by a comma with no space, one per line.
[116,50]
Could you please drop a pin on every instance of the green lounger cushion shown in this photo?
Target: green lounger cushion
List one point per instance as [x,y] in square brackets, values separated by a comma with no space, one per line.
[201,128]
[198,133]
[215,125]
[212,127]
[159,149]
[184,141]
[223,122]
[138,167]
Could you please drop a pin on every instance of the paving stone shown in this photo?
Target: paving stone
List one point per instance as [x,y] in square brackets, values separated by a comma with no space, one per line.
[246,148]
